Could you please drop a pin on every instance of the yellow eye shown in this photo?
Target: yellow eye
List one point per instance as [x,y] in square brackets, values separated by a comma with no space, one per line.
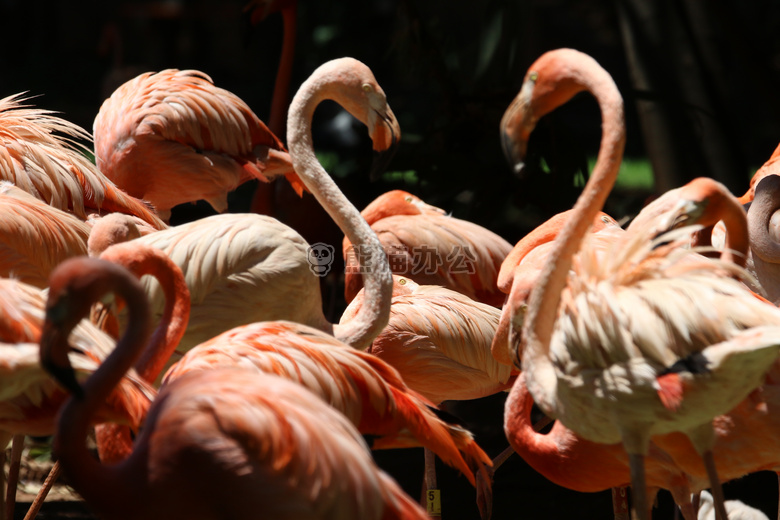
[533,76]
[367,87]
[402,281]
[408,199]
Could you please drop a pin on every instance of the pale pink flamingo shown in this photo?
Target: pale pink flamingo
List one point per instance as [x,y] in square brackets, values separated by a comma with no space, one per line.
[42,155]
[246,268]
[439,341]
[433,248]
[216,444]
[172,137]
[594,364]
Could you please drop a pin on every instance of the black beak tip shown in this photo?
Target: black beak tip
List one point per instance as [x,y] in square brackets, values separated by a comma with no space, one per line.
[66,376]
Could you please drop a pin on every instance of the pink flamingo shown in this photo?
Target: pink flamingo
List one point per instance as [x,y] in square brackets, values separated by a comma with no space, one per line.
[226,257]
[216,444]
[439,341]
[424,243]
[173,137]
[602,371]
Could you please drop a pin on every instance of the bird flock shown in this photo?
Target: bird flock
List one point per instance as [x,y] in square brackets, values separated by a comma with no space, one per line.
[200,355]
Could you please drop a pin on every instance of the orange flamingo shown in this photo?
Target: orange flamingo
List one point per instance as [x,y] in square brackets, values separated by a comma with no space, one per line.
[40,154]
[603,372]
[368,391]
[433,248]
[173,137]
[31,399]
[226,255]
[140,260]
[216,444]
[705,202]
[35,237]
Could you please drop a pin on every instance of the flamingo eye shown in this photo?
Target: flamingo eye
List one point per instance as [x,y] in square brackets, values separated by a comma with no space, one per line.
[367,87]
[533,76]
[408,199]
[402,281]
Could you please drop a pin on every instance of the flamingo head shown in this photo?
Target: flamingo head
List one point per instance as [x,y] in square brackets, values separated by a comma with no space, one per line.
[552,80]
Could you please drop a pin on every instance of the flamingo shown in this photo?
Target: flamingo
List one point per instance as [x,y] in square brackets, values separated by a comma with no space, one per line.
[30,398]
[439,341]
[226,259]
[35,237]
[140,260]
[172,137]
[216,444]
[611,364]
[364,388]
[40,154]
[424,243]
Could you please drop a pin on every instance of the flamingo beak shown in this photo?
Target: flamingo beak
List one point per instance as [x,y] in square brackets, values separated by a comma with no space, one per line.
[54,358]
[386,134]
[514,151]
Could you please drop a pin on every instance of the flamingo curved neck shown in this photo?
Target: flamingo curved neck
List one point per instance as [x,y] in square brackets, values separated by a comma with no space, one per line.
[102,486]
[737,243]
[528,443]
[545,298]
[374,315]
[763,247]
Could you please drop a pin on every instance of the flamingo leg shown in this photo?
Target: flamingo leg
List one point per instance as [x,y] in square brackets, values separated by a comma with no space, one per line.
[715,487]
[51,478]
[638,486]
[430,480]
[17,446]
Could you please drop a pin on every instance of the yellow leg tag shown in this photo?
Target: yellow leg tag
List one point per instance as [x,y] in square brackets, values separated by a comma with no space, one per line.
[434,502]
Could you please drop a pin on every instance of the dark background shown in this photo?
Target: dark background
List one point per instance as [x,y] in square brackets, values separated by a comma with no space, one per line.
[699,81]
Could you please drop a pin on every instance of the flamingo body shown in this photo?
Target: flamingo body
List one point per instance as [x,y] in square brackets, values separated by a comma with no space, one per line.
[173,137]
[432,248]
